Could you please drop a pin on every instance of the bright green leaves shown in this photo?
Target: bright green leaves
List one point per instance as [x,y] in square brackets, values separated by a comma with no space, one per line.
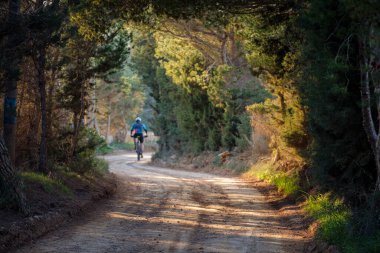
[188,68]
[93,19]
[184,64]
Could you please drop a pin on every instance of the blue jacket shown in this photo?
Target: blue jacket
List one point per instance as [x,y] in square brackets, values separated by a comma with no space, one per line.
[139,128]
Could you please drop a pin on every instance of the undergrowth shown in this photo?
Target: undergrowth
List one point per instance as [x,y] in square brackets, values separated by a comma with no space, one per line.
[337,225]
[129,146]
[286,183]
[104,150]
[363,244]
[49,185]
[332,215]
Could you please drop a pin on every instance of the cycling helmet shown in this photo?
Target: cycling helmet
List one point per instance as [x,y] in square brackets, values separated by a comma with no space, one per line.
[138,119]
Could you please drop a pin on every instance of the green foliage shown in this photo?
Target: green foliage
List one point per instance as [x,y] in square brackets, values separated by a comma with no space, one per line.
[259,170]
[217,161]
[129,146]
[273,48]
[329,89]
[332,215]
[84,160]
[193,107]
[104,149]
[295,137]
[288,183]
[49,185]
[363,244]
[243,142]
[87,163]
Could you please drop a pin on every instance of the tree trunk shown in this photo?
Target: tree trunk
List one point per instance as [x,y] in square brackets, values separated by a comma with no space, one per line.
[41,60]
[108,132]
[283,105]
[10,184]
[11,75]
[78,120]
[368,121]
[50,103]
[94,120]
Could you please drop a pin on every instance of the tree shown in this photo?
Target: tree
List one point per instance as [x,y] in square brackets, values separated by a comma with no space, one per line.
[330,89]
[49,17]
[86,60]
[10,184]
[13,58]
[369,61]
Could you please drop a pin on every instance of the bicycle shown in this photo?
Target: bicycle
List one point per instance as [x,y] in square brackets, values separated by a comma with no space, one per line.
[139,150]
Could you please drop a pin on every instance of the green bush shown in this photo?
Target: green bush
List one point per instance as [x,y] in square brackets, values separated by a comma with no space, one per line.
[87,162]
[84,159]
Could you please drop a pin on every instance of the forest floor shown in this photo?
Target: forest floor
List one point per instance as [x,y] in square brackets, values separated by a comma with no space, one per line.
[168,210]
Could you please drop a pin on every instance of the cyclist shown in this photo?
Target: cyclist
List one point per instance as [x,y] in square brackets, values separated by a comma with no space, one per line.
[137,131]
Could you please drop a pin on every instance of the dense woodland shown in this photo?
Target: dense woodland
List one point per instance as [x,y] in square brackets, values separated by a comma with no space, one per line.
[294,81]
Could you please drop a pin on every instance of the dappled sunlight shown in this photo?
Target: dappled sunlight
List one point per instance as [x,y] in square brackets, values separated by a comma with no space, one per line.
[207,204]
[163,210]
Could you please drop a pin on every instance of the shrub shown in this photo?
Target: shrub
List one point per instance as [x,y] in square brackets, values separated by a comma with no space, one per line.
[87,162]
[84,160]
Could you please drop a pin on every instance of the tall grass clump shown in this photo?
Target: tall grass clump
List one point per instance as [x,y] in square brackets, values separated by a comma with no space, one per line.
[259,170]
[333,217]
[286,182]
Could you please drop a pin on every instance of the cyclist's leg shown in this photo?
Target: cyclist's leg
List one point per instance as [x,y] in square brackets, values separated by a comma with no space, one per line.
[134,141]
[142,143]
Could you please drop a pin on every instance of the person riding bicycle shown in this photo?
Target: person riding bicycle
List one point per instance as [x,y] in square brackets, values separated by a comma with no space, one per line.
[137,131]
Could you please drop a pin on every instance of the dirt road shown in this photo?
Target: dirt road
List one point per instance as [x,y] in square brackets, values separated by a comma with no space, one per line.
[164,210]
